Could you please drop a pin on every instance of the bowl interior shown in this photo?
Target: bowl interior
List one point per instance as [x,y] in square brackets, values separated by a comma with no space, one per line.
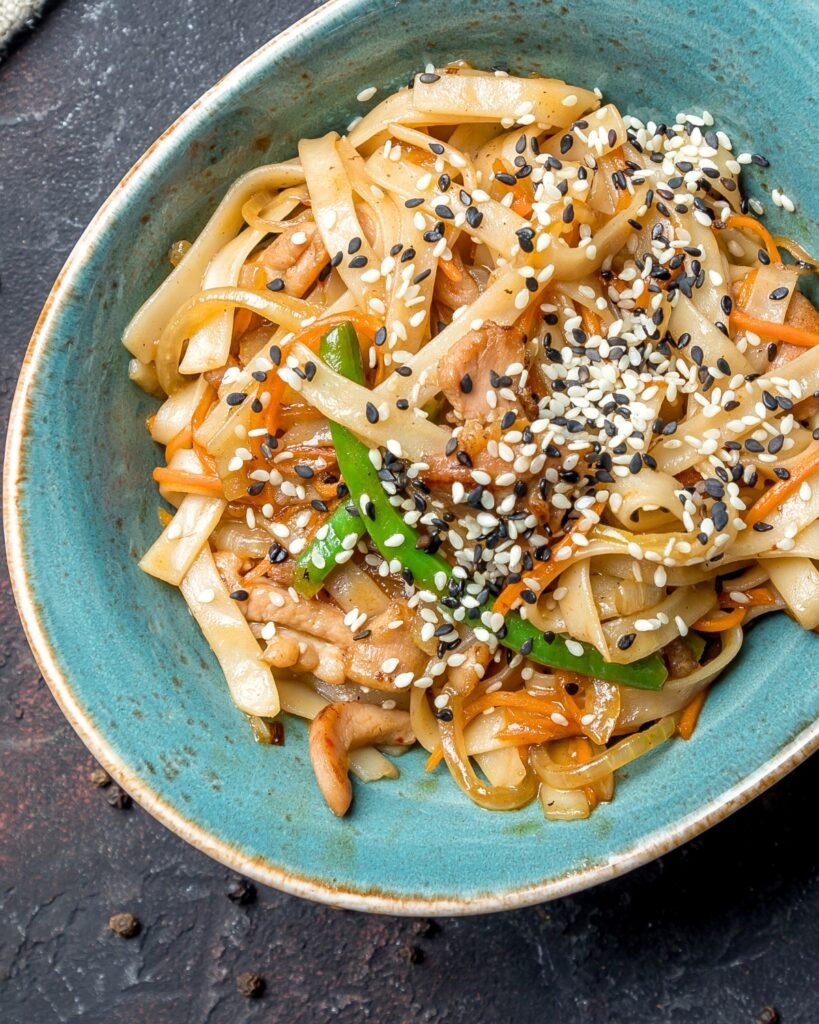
[139,680]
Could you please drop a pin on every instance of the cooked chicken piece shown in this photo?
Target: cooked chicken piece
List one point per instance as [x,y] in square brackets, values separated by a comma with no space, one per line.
[323,626]
[297,256]
[304,653]
[464,678]
[269,603]
[479,356]
[802,314]
[340,728]
[365,657]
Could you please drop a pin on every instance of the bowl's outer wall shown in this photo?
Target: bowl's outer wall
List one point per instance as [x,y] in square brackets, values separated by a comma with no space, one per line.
[141,674]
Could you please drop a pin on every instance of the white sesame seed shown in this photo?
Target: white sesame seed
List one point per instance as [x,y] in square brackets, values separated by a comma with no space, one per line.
[395,540]
[366,94]
[575,648]
[389,665]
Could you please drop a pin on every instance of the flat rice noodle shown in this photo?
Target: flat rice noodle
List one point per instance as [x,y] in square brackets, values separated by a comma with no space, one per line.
[344,402]
[209,347]
[282,309]
[598,140]
[687,318]
[675,455]
[186,278]
[336,217]
[486,97]
[460,162]
[172,554]
[797,581]
[404,337]
[792,512]
[578,607]
[250,681]
[707,298]
[176,412]
[689,603]
[496,229]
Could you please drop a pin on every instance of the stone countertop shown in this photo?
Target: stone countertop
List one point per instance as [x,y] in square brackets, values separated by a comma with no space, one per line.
[717,931]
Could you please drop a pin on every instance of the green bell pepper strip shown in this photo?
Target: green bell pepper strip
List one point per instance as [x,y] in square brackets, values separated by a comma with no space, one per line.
[395,539]
[318,560]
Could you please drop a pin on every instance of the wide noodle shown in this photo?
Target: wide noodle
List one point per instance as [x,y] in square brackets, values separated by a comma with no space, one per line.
[489,426]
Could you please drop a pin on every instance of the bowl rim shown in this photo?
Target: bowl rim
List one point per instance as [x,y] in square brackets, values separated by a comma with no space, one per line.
[350,897]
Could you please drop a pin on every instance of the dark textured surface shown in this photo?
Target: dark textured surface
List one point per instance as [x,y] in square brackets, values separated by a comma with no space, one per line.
[714,932]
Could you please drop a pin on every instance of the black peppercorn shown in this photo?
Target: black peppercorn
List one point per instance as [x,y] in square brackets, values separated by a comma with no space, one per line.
[124,924]
[240,891]
[250,985]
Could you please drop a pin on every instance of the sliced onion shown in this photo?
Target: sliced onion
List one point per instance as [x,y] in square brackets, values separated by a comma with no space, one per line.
[564,804]
[621,754]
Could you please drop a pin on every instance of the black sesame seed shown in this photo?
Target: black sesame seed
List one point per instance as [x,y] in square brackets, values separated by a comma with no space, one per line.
[412,203]
[779,293]
[276,285]
[235,398]
[276,554]
[466,384]
[372,413]
[473,217]
[626,640]
[762,527]
[428,78]
[357,262]
[305,472]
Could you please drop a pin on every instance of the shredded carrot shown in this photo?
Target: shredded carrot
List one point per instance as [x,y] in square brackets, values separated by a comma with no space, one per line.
[181,440]
[721,622]
[198,418]
[590,321]
[510,699]
[164,516]
[779,332]
[690,715]
[189,483]
[757,597]
[745,288]
[543,572]
[451,269]
[243,320]
[776,494]
[741,221]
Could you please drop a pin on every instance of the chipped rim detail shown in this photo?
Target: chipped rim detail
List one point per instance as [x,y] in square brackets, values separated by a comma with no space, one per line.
[373,899]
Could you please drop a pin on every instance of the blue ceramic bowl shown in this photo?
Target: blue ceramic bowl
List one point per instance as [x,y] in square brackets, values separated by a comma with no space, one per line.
[119,650]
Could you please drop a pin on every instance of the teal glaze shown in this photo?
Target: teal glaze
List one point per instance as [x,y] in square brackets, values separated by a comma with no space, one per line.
[120,650]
